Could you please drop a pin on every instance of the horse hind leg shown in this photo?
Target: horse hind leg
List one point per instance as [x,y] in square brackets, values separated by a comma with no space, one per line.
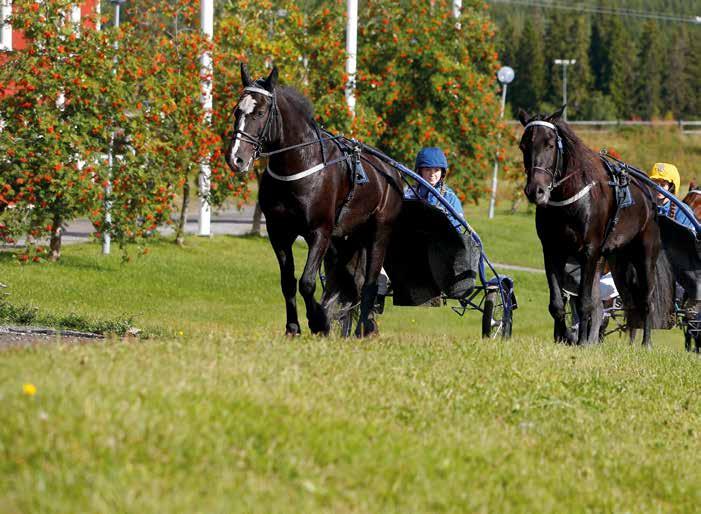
[375,258]
[316,314]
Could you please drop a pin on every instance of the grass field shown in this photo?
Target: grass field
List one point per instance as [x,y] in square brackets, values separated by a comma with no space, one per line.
[220,413]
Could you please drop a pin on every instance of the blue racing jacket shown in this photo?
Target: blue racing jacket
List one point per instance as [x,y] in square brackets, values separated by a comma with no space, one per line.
[679,216]
[422,193]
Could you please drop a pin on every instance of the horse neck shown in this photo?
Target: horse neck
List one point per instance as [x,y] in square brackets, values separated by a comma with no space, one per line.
[573,171]
[294,129]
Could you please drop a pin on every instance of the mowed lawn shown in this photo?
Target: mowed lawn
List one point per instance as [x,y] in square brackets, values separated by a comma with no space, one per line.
[218,412]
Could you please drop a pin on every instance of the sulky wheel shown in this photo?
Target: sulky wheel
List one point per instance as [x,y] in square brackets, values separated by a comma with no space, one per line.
[496,320]
[346,320]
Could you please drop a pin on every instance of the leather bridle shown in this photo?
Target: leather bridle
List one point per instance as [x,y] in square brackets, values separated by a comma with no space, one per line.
[265,135]
[559,158]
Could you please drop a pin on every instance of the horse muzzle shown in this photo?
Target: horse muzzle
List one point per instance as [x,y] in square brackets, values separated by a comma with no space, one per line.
[238,164]
[537,194]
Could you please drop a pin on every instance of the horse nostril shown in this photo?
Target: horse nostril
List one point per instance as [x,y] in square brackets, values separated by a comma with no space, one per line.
[239,162]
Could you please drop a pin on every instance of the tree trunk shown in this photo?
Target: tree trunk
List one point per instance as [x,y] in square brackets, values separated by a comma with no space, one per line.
[257,217]
[180,231]
[55,243]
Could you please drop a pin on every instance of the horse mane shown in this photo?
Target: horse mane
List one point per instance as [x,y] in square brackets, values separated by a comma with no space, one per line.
[296,98]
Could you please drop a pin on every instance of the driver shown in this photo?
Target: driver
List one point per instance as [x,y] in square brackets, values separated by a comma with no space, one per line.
[432,165]
[667,177]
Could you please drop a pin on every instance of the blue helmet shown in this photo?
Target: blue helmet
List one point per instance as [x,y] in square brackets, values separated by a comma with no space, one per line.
[431,157]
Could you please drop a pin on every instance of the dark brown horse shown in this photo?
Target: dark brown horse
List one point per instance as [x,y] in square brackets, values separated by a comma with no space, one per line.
[577,217]
[693,199]
[308,190]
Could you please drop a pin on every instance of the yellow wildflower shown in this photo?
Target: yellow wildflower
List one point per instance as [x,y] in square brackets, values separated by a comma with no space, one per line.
[29,389]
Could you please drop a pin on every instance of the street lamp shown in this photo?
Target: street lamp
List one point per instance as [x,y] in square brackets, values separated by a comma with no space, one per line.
[565,63]
[505,76]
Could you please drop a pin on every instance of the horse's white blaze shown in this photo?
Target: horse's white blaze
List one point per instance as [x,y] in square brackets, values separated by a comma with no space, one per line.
[246,105]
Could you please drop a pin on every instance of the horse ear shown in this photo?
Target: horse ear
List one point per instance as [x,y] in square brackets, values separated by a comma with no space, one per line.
[271,81]
[245,77]
[557,114]
[524,117]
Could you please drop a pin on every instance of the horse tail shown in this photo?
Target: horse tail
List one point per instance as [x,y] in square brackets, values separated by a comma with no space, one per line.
[663,291]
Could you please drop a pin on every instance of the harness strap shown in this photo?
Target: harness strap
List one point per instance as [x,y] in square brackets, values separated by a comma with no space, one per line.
[302,174]
[583,192]
[296,176]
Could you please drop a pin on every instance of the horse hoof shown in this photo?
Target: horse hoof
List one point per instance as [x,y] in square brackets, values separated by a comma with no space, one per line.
[319,324]
[367,329]
[292,329]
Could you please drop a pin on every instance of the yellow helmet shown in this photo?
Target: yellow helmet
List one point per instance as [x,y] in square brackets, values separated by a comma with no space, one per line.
[668,173]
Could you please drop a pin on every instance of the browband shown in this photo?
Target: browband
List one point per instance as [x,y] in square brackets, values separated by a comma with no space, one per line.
[542,124]
[254,89]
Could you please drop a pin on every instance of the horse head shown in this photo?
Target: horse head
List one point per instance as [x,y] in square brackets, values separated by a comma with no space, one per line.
[543,154]
[254,120]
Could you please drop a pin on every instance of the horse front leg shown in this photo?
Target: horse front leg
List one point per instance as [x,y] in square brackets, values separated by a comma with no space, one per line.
[554,271]
[282,245]
[318,242]
[589,301]
[375,258]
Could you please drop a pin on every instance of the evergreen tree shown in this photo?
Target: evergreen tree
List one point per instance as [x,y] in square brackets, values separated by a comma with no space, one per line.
[648,100]
[623,58]
[529,87]
[598,53]
[677,84]
[568,38]
[579,79]
[695,76]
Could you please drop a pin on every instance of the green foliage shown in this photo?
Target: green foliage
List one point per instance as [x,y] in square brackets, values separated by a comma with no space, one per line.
[529,88]
[598,106]
[26,314]
[652,64]
[647,68]
[624,70]
[432,82]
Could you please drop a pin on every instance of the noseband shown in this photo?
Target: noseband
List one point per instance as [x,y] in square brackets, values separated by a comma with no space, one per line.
[554,174]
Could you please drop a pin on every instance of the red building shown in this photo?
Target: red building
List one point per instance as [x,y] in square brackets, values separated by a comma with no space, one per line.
[11,39]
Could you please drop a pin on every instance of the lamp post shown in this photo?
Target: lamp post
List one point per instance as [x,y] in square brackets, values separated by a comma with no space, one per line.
[565,63]
[505,75]
[106,236]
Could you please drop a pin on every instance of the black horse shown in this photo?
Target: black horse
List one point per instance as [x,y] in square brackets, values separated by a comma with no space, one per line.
[309,189]
[578,216]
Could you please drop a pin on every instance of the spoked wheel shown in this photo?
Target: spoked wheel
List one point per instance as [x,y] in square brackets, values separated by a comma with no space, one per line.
[345,320]
[496,320]
[571,317]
